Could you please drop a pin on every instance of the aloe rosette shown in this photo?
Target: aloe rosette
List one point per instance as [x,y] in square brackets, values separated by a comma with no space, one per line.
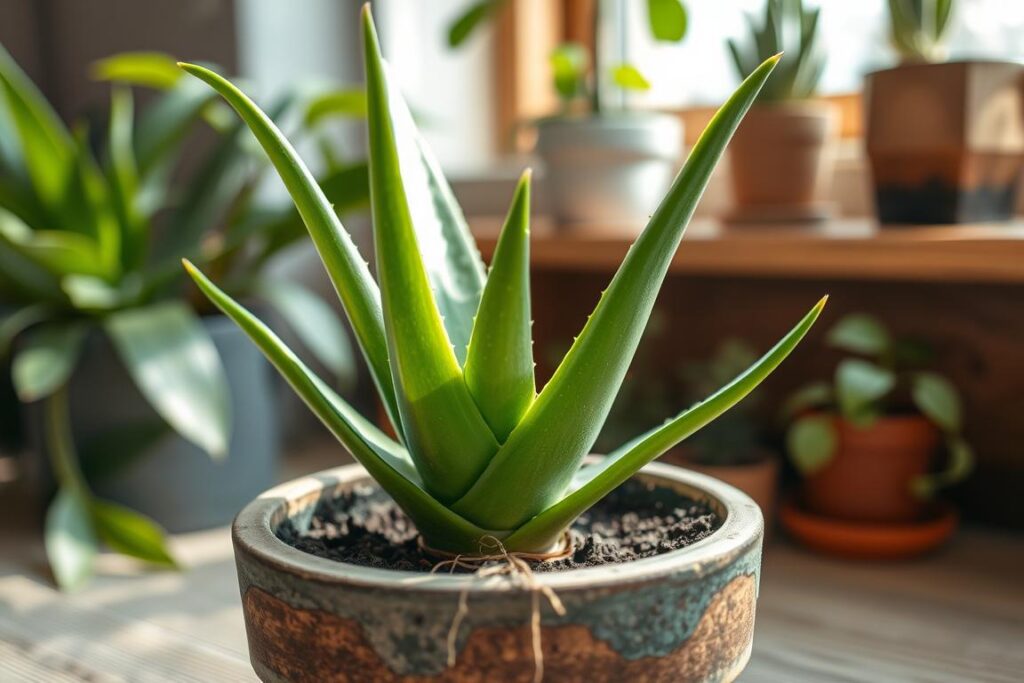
[478,450]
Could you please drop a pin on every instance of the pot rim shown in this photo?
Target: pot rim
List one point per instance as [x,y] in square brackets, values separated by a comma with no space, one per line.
[742,529]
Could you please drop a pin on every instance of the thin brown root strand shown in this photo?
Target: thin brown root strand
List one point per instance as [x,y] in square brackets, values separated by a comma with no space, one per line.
[515,565]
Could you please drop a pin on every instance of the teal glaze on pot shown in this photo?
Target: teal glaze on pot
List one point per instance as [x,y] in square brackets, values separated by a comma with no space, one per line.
[686,615]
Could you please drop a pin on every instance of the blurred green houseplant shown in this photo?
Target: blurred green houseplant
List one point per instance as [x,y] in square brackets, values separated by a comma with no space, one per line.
[918,29]
[93,244]
[575,72]
[883,376]
[787,26]
[479,451]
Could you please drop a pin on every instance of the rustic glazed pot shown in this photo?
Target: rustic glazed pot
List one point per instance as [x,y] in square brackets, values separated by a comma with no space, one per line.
[686,615]
[758,478]
[781,161]
[608,172]
[946,141]
[869,477]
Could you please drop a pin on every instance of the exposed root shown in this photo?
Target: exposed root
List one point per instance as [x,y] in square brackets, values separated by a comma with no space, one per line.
[494,560]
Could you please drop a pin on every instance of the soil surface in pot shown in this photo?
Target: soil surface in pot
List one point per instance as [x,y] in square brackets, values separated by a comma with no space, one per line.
[637,520]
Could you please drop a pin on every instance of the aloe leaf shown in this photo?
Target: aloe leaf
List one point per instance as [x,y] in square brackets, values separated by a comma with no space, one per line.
[386,461]
[596,481]
[131,533]
[346,268]
[428,379]
[499,363]
[175,365]
[47,149]
[446,246]
[541,455]
[466,24]
[349,103]
[45,360]
[314,323]
[70,539]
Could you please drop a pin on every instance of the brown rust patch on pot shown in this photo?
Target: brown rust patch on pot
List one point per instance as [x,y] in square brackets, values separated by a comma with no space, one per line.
[314,645]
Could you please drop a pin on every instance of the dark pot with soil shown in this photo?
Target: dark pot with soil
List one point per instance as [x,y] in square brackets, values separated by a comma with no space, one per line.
[867,445]
[946,141]
[489,474]
[681,615]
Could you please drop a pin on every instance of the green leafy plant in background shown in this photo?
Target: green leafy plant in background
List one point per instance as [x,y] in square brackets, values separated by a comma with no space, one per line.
[571,63]
[918,29]
[478,450]
[92,243]
[651,389]
[884,375]
[786,26]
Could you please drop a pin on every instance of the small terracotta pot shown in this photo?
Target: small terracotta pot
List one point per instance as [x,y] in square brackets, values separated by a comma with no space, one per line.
[869,477]
[758,479]
[946,141]
[782,161]
[686,615]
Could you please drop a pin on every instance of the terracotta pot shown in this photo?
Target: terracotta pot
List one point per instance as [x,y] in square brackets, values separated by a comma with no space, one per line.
[946,141]
[782,162]
[686,615]
[758,479]
[608,172]
[869,477]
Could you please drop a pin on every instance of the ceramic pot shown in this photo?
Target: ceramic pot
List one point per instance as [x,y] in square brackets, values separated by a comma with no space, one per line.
[171,480]
[868,479]
[608,172]
[759,478]
[946,141]
[782,162]
[686,615]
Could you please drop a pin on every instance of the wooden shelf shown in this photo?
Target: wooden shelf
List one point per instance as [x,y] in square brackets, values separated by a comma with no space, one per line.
[843,249]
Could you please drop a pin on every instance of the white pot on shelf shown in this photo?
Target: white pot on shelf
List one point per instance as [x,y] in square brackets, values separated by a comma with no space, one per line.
[609,170]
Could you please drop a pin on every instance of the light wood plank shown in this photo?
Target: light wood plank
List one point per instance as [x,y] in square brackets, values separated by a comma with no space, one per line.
[843,249]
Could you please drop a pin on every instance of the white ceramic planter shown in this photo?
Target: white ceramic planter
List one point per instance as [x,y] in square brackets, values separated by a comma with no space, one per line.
[608,171]
[686,615]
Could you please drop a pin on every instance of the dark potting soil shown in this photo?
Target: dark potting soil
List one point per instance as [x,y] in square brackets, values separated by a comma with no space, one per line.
[637,520]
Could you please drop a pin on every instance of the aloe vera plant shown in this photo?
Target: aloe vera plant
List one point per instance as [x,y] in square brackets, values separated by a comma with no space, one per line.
[787,25]
[918,28]
[91,244]
[479,451]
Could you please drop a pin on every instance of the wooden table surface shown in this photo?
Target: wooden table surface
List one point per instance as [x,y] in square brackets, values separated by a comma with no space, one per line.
[956,616]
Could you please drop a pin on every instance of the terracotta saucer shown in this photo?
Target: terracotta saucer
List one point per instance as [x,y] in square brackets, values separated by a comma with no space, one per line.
[869,540]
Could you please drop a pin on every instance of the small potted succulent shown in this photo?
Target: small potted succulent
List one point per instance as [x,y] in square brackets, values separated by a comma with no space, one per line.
[486,473]
[866,445]
[605,165]
[781,160]
[945,139]
[153,410]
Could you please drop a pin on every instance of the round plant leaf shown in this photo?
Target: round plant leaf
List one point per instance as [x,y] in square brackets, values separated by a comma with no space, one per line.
[131,533]
[667,20]
[812,395]
[628,77]
[937,398]
[811,442]
[860,333]
[70,539]
[859,386]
